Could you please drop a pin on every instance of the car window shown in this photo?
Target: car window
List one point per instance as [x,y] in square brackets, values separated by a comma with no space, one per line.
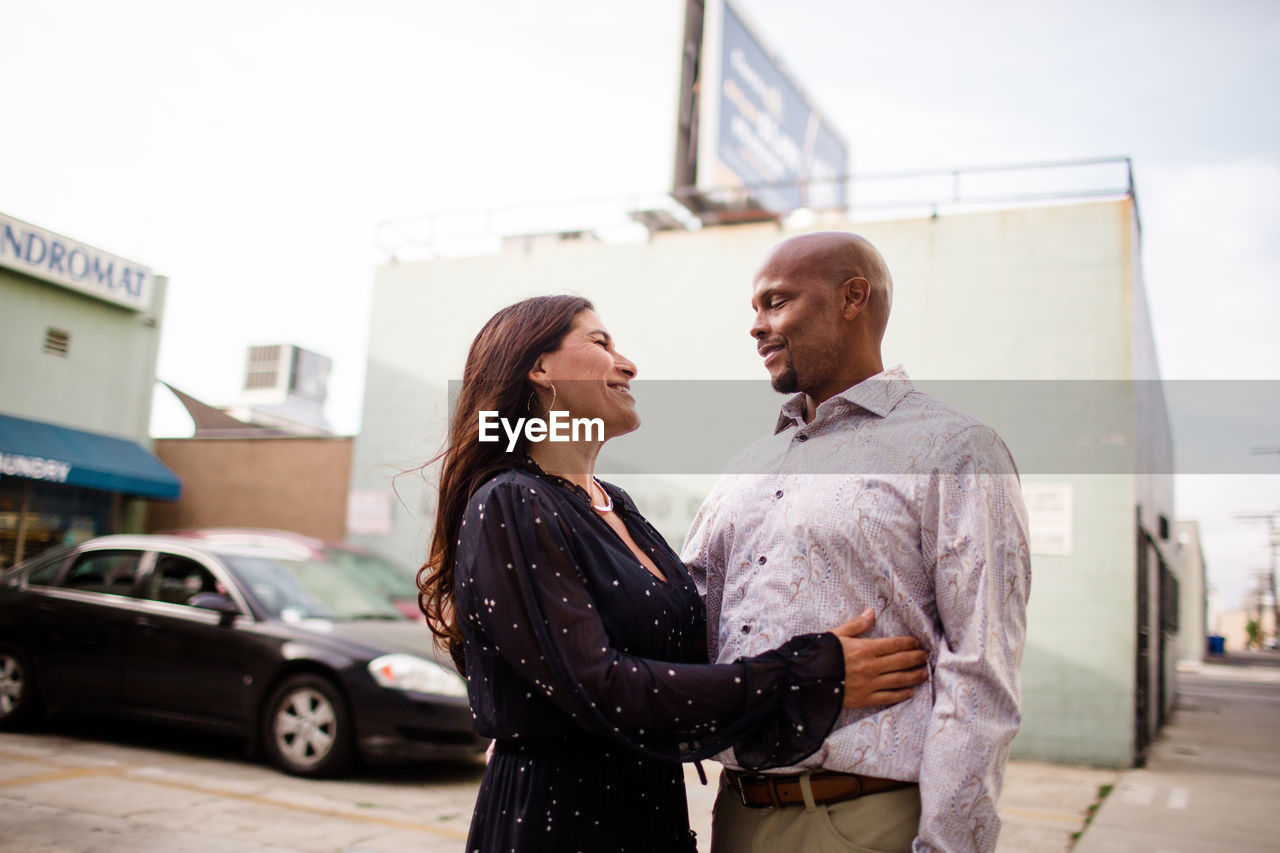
[176,579]
[380,573]
[293,589]
[104,571]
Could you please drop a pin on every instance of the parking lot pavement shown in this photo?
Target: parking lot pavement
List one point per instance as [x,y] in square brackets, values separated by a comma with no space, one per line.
[76,787]
[96,787]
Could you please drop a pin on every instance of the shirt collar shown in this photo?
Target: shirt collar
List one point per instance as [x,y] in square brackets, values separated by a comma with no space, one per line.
[876,394]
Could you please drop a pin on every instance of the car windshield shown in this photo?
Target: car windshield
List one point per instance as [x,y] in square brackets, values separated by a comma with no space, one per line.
[291,588]
[389,579]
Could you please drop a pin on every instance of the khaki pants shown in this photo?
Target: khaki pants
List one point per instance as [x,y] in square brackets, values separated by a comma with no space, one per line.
[877,823]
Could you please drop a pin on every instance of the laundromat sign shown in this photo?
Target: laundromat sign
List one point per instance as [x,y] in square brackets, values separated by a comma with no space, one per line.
[54,258]
[34,467]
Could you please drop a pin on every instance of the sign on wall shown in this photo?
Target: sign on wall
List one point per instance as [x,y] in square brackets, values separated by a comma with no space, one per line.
[34,467]
[51,257]
[368,513]
[1049,517]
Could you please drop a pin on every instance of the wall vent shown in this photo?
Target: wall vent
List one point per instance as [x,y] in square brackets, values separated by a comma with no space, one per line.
[57,342]
[263,370]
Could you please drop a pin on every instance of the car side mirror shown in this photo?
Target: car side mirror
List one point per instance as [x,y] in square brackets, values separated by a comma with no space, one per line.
[218,603]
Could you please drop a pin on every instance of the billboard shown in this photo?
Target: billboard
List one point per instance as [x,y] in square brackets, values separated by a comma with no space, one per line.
[748,138]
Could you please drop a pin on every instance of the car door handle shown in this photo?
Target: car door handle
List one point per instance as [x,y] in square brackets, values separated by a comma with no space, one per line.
[148,627]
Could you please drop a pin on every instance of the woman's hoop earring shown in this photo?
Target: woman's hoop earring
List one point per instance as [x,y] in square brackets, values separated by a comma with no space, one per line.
[533,399]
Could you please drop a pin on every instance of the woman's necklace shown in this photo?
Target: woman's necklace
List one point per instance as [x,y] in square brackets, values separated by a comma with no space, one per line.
[608,499]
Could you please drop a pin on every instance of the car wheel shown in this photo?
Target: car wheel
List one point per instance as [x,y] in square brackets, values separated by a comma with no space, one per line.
[307,729]
[18,700]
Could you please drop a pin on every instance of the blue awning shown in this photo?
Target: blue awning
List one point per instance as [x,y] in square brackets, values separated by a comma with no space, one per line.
[57,454]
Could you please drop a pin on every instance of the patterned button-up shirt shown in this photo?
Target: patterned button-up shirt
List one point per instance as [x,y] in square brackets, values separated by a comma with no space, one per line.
[888,499]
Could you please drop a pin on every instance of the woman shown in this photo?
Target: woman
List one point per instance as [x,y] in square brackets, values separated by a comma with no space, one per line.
[583,635]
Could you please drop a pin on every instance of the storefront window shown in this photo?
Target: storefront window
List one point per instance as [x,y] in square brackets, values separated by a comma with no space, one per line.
[37,516]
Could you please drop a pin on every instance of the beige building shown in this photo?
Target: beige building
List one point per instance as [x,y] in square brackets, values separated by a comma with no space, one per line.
[1192,592]
[1032,319]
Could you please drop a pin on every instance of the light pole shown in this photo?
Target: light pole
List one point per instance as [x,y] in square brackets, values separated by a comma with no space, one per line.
[1273,533]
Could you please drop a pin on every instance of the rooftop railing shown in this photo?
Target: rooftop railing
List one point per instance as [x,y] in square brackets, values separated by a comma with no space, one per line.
[637,216]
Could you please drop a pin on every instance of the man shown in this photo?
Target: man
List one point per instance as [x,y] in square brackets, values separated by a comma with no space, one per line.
[869,494]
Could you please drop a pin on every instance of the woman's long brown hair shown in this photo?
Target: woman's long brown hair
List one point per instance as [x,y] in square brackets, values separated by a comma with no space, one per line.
[495,379]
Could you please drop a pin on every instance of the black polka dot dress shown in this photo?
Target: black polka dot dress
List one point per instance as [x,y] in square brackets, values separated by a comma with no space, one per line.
[591,675]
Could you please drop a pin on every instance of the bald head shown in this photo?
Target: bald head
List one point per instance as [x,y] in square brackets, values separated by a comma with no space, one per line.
[836,257]
[821,304]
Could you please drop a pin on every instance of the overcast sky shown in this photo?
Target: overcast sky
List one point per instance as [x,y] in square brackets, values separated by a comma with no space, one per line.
[247,150]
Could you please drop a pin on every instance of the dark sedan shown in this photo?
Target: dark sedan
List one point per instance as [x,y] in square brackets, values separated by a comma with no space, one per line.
[283,649]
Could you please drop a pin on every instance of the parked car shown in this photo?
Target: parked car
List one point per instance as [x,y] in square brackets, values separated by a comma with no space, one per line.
[396,583]
[272,644]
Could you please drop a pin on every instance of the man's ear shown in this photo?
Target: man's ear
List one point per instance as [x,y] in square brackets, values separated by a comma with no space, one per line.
[856,293]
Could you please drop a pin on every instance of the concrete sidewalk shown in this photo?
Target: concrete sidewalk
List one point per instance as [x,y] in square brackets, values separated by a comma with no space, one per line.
[1212,780]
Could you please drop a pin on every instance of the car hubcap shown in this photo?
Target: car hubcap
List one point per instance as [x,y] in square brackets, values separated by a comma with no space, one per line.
[306,726]
[10,684]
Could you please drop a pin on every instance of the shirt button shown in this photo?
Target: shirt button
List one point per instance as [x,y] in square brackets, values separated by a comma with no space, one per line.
[763,559]
[746,629]
[778,493]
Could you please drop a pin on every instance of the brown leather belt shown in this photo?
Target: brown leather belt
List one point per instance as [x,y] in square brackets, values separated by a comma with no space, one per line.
[760,792]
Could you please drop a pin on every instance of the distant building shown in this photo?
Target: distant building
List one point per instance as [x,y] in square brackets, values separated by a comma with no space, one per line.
[79,331]
[287,482]
[1193,594]
[269,461]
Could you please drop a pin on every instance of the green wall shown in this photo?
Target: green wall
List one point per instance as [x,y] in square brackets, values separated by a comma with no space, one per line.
[104,383]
